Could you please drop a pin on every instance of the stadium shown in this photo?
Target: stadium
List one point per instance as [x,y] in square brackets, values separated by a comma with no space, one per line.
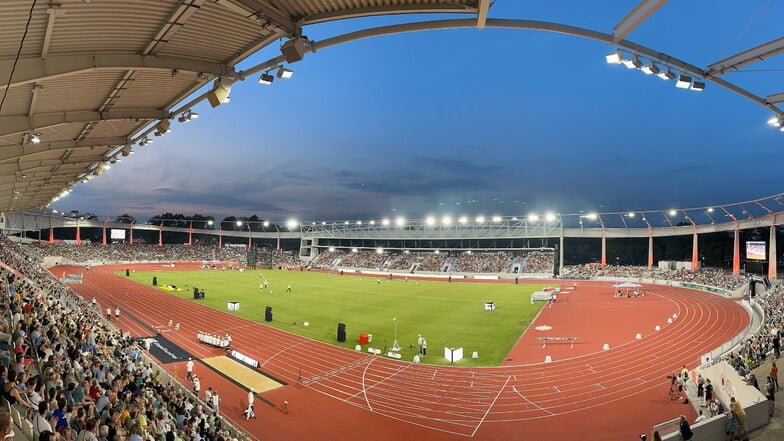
[585,325]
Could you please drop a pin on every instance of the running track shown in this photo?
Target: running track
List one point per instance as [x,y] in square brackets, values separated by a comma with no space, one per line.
[602,395]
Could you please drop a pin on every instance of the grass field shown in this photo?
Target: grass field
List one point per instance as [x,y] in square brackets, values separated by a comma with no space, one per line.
[446,314]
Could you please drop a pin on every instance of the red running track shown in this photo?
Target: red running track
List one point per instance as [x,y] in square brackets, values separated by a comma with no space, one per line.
[585,393]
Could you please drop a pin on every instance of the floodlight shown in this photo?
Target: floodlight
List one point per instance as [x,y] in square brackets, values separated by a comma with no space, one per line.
[35,138]
[266,78]
[632,63]
[372,222]
[323,222]
[291,223]
[650,68]
[354,250]
[775,121]
[239,223]
[615,57]
[630,214]
[400,221]
[666,75]
[591,216]
[533,217]
[463,220]
[496,219]
[684,82]
[437,252]
[710,209]
[331,249]
[285,73]
[549,217]
[673,212]
[359,222]
[699,86]
[480,219]
[379,250]
[385,222]
[345,223]
[430,220]
[265,224]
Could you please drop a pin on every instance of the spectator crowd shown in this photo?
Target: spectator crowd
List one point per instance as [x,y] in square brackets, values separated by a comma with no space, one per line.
[74,377]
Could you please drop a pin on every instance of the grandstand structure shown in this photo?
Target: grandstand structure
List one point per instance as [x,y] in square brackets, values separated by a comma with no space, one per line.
[498,233]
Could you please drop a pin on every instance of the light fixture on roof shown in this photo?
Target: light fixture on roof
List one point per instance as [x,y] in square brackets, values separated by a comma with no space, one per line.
[650,69]
[684,82]
[699,86]
[188,116]
[673,212]
[775,121]
[285,73]
[666,74]
[632,63]
[146,140]
[430,220]
[35,138]
[533,217]
[266,78]
[549,217]
[127,150]
[615,57]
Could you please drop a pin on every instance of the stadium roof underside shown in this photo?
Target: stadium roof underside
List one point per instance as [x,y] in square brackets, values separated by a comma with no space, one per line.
[82,82]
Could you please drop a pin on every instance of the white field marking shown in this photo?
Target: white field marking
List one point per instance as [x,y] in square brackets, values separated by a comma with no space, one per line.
[490,406]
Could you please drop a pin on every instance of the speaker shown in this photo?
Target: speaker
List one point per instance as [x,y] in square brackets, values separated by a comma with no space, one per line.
[342,332]
[293,50]
[268,314]
[752,288]
[218,96]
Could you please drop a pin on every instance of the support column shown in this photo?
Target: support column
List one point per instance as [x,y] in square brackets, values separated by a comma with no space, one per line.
[220,236]
[604,250]
[190,235]
[160,236]
[736,253]
[104,233]
[78,233]
[51,234]
[695,257]
[249,237]
[650,251]
[772,254]
[561,256]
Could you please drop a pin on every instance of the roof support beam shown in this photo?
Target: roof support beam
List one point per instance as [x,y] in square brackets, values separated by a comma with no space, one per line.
[54,10]
[30,70]
[634,18]
[747,57]
[430,8]
[176,20]
[22,152]
[263,12]
[13,124]
[481,15]
[776,98]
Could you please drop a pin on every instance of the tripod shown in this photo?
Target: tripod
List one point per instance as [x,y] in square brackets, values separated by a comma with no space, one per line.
[674,391]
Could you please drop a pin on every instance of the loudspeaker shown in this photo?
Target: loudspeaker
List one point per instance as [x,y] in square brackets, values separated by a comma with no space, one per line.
[218,96]
[342,332]
[268,314]
[293,50]
[752,288]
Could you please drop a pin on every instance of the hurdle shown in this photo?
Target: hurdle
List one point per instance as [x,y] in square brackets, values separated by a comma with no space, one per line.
[547,339]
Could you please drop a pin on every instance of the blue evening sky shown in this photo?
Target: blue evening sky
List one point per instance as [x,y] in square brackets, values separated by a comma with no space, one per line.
[470,122]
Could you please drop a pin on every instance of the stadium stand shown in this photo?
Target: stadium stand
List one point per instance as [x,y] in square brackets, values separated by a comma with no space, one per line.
[98,376]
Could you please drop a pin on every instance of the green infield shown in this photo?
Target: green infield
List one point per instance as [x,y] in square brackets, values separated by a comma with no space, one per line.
[445,314]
